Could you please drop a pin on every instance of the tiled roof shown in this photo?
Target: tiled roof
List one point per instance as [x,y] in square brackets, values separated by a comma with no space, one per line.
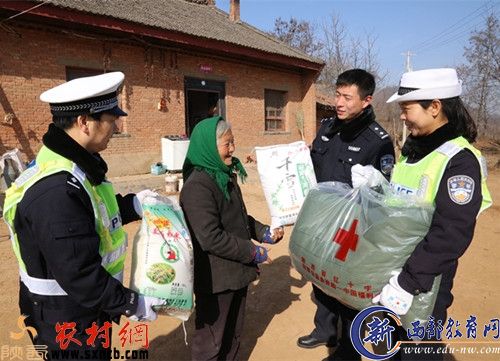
[186,17]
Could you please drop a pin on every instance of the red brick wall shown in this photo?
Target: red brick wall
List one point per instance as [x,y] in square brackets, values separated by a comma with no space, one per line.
[37,60]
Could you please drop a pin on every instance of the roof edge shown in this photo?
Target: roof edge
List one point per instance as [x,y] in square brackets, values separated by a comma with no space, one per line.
[207,44]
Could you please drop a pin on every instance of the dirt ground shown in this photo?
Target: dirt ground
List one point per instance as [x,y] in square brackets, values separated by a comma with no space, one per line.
[279,307]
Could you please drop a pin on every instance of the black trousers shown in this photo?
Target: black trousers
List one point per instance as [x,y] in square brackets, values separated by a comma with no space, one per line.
[325,321]
[43,315]
[325,318]
[219,324]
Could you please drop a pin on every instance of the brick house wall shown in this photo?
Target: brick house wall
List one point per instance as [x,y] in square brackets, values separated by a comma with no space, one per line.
[36,59]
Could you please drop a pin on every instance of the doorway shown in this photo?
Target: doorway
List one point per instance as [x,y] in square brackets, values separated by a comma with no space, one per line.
[204,98]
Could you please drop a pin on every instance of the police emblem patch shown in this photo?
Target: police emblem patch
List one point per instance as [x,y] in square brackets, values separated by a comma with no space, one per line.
[386,164]
[460,189]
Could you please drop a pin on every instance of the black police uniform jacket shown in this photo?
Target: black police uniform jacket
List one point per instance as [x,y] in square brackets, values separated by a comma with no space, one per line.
[57,237]
[452,225]
[340,145]
[337,147]
[221,231]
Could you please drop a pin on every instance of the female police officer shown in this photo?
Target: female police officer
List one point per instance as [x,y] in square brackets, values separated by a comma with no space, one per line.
[439,165]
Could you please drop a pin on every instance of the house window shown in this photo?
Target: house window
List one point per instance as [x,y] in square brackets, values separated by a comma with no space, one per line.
[74,73]
[275,102]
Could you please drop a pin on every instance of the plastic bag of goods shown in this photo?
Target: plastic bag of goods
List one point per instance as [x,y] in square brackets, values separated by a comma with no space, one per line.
[286,173]
[349,243]
[162,260]
[11,167]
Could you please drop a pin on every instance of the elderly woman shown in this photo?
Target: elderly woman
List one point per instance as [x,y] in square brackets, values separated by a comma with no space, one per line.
[225,258]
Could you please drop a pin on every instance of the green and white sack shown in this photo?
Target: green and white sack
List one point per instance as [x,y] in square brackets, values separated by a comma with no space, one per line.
[349,242]
[286,173]
[162,261]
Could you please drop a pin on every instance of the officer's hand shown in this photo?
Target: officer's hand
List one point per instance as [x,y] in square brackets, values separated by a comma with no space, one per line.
[145,310]
[365,175]
[275,237]
[139,199]
[260,255]
[394,297]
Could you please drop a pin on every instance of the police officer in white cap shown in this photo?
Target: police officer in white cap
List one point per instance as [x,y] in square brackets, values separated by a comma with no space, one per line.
[66,221]
[439,165]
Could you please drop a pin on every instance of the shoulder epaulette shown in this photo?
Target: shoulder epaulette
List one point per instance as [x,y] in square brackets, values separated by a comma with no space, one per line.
[72,181]
[327,119]
[377,129]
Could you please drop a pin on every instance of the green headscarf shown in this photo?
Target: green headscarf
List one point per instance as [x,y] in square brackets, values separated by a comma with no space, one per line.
[203,155]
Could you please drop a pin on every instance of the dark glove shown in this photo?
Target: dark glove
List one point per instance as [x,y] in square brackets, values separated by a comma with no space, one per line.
[268,238]
[260,254]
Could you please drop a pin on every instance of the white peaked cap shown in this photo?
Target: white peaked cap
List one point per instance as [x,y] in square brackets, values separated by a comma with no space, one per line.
[428,84]
[92,94]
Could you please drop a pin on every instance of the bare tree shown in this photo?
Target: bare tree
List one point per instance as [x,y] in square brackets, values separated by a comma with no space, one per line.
[342,52]
[370,58]
[356,53]
[335,51]
[388,114]
[299,34]
[481,74]
[338,49]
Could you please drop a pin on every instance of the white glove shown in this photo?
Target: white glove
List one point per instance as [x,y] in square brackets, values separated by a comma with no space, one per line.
[365,175]
[145,310]
[139,199]
[394,297]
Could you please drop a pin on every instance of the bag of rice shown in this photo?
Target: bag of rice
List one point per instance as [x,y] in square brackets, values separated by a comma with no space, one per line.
[162,259]
[286,173]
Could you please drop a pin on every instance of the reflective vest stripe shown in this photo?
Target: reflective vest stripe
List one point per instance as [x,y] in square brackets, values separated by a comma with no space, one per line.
[422,178]
[41,286]
[49,287]
[109,258]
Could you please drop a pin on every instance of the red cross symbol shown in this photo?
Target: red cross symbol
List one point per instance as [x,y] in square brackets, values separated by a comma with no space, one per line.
[347,240]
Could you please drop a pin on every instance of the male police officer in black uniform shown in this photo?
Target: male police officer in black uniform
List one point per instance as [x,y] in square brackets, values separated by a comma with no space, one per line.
[352,137]
[58,222]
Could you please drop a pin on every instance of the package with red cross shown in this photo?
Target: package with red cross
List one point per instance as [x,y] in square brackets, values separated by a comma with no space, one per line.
[349,242]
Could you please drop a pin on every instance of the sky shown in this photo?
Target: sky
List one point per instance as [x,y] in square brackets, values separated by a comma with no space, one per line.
[434,31]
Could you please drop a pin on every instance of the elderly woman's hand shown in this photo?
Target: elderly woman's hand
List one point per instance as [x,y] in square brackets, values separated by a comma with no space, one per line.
[260,255]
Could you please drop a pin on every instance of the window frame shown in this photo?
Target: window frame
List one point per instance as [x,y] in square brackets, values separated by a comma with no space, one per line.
[278,121]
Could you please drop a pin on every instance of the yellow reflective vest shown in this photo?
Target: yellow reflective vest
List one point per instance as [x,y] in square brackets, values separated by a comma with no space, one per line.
[422,178]
[113,239]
